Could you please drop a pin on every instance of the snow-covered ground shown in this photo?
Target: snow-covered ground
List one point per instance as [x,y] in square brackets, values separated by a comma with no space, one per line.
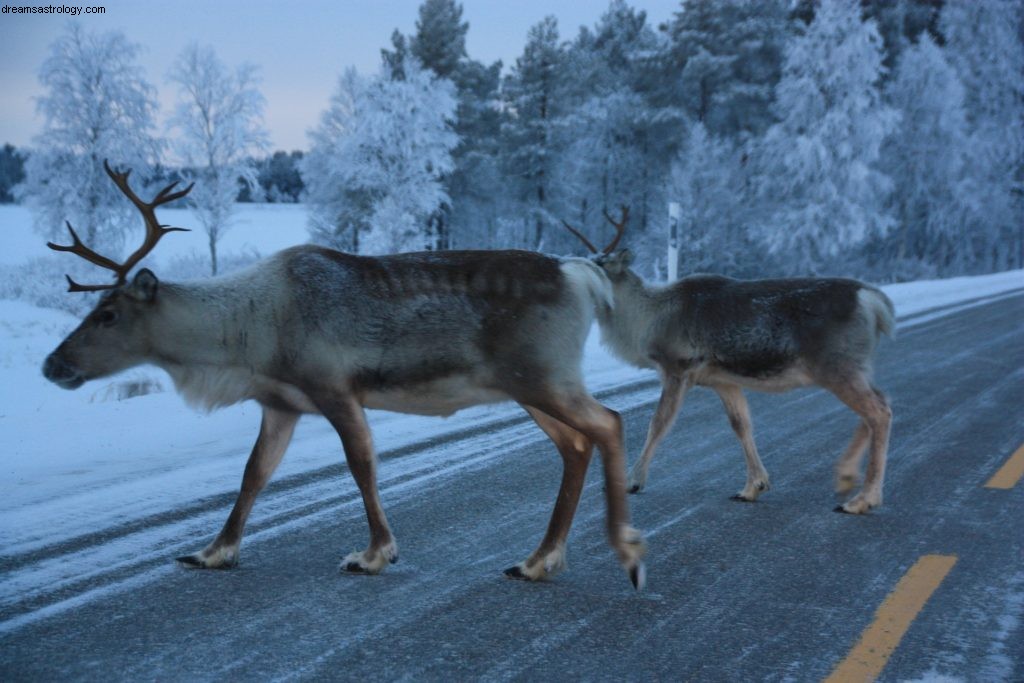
[78,462]
[259,228]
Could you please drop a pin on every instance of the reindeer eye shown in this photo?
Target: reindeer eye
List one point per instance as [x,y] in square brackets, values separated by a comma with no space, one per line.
[106,317]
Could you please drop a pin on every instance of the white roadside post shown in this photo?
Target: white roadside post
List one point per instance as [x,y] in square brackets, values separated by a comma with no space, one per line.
[674,216]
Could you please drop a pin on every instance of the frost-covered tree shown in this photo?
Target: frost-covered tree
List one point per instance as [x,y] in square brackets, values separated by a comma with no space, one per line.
[96,105]
[440,39]
[373,173]
[219,121]
[818,165]
[729,57]
[934,199]
[710,181]
[984,43]
[12,171]
[476,184]
[534,95]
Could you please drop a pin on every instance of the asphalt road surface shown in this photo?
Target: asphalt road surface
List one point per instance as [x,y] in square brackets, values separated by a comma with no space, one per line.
[781,589]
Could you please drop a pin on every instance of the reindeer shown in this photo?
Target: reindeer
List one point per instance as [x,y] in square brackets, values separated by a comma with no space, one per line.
[315,331]
[767,335]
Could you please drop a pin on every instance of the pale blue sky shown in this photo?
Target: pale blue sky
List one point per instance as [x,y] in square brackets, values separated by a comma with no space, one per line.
[301,46]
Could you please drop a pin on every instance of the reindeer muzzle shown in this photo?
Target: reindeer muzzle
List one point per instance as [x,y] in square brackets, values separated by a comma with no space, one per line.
[60,372]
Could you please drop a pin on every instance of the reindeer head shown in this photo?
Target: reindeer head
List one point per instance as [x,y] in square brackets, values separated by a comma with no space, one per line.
[113,337]
[615,264]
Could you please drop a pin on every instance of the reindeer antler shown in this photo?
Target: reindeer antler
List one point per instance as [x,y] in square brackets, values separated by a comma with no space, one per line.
[591,247]
[154,231]
[620,229]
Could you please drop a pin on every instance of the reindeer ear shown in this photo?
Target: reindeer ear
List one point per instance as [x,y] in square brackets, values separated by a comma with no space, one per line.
[143,286]
[616,263]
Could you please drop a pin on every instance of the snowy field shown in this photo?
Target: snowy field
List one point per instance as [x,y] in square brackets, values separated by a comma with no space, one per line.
[78,462]
[259,228]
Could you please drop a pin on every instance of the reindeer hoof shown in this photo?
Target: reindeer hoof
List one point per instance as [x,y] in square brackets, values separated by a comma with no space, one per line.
[354,568]
[635,488]
[840,509]
[741,498]
[638,575]
[197,561]
[394,559]
[515,572]
[190,561]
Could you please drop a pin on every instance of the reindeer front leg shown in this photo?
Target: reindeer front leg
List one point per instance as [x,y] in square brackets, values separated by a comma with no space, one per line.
[276,432]
[576,450]
[347,417]
[673,390]
[739,417]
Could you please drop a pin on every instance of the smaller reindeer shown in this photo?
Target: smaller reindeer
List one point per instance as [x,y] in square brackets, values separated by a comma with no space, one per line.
[768,335]
[315,331]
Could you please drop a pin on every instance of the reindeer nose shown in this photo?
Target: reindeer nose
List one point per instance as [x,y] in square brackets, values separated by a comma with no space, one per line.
[59,371]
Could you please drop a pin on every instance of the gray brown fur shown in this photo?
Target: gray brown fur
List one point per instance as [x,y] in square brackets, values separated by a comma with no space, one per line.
[311,330]
[768,335]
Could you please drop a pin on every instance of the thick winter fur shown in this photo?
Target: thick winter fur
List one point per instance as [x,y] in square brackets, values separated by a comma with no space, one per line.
[768,335]
[311,330]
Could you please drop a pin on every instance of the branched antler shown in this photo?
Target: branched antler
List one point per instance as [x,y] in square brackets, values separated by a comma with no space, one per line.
[154,231]
[620,229]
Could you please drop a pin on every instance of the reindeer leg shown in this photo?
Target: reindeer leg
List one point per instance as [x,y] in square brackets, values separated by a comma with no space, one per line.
[673,390]
[577,409]
[275,433]
[739,417]
[549,558]
[347,417]
[848,465]
[874,410]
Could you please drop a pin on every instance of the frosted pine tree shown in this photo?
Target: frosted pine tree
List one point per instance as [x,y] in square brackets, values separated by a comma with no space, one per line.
[96,105]
[729,57]
[219,120]
[533,95]
[607,154]
[822,190]
[927,159]
[373,175]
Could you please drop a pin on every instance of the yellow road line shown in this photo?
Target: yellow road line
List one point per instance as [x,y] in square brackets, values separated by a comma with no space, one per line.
[1010,473]
[869,656]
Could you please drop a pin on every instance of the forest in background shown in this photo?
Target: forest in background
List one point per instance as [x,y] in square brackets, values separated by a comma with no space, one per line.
[877,139]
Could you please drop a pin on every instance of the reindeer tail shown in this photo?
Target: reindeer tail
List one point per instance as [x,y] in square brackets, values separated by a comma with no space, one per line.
[589,277]
[880,307]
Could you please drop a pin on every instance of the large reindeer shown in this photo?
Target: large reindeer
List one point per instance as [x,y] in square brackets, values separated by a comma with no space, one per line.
[768,335]
[311,330]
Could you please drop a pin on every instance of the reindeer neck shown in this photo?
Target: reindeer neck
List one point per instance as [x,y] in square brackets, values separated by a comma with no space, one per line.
[628,327]
[204,323]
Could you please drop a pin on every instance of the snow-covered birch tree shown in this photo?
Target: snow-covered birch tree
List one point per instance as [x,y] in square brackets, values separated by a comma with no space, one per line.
[219,121]
[96,105]
[821,185]
[934,198]
[373,173]
[984,44]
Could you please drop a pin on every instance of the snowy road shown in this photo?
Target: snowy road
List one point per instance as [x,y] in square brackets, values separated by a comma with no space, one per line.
[777,590]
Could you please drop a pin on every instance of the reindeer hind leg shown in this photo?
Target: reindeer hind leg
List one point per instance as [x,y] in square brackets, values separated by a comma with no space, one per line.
[873,408]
